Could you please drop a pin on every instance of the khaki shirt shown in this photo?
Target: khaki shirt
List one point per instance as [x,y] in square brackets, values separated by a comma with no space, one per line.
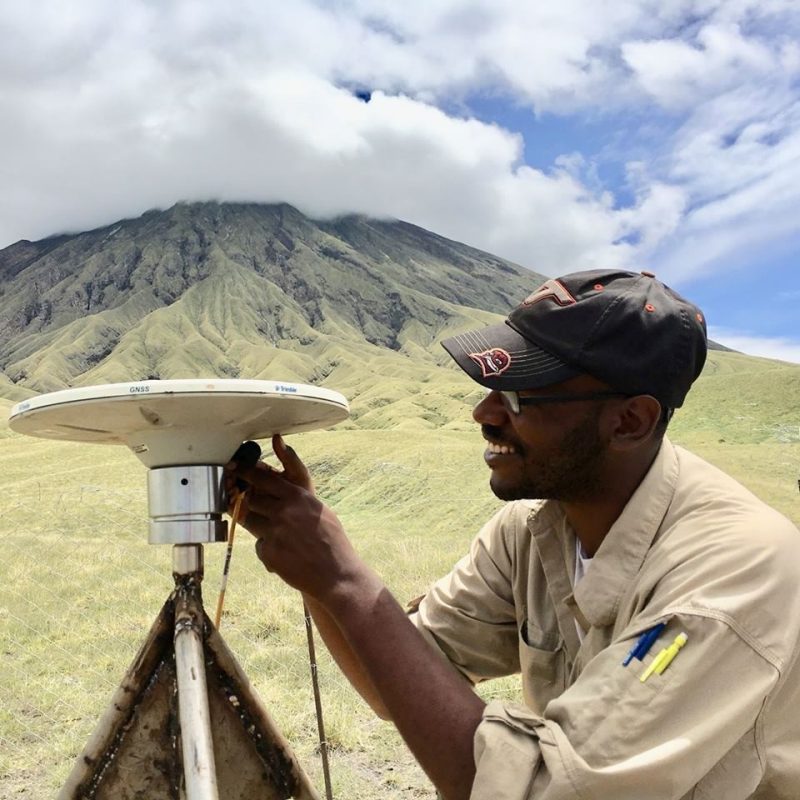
[692,548]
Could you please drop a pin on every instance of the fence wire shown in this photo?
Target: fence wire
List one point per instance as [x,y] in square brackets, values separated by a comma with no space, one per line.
[79,588]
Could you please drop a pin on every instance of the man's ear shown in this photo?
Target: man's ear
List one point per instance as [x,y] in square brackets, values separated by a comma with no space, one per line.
[634,422]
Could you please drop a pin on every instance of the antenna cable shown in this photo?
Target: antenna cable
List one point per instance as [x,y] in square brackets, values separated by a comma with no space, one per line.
[237,507]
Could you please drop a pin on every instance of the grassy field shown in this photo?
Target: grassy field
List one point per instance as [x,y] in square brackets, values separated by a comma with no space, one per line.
[79,585]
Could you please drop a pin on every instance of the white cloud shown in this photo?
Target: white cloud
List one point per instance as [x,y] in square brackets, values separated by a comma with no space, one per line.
[736,153]
[737,157]
[678,73]
[144,137]
[781,348]
[111,109]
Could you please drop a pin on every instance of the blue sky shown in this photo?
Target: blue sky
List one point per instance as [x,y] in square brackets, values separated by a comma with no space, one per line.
[752,299]
[635,133]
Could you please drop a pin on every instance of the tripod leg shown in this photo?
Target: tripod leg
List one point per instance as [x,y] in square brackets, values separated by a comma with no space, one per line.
[197,744]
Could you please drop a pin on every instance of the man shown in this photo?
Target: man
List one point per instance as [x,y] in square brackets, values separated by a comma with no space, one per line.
[649,601]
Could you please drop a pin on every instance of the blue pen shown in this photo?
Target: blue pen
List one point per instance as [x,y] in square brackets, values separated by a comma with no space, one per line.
[644,643]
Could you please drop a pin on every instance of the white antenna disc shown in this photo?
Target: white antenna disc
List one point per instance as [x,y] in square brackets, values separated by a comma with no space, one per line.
[179,422]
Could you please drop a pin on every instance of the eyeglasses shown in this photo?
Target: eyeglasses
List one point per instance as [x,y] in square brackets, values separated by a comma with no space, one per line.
[513,401]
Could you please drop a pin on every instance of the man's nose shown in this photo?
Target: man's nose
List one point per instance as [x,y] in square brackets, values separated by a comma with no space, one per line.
[490,410]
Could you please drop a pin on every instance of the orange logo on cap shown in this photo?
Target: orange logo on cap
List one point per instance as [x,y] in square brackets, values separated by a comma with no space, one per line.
[551,290]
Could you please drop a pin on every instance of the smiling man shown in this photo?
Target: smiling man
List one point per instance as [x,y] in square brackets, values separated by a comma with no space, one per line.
[649,602]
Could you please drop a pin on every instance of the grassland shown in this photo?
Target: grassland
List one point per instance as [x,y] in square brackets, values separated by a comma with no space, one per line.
[79,584]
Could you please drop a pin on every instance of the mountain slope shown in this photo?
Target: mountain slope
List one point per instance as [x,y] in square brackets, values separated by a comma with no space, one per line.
[239,290]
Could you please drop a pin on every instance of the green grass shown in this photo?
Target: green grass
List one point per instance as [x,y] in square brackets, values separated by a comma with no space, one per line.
[79,585]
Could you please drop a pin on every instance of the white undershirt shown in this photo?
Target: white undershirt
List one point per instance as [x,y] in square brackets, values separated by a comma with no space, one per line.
[582,564]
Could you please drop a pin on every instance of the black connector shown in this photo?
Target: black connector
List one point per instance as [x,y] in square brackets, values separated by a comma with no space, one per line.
[247,455]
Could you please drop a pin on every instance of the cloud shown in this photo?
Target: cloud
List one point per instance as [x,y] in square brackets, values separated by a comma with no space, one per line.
[736,152]
[781,348]
[109,111]
[678,73]
[738,160]
[290,135]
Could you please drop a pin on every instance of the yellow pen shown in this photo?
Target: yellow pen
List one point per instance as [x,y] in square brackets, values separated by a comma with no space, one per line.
[665,657]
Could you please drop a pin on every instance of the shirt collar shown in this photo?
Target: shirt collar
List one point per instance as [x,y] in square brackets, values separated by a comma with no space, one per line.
[555,544]
[623,551]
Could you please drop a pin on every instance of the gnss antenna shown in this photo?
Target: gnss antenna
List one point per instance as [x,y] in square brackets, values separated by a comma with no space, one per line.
[220,740]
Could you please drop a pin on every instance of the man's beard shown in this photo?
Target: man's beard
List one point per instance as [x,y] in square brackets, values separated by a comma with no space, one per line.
[570,473]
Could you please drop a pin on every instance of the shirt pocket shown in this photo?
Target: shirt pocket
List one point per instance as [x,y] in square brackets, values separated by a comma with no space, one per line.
[542,660]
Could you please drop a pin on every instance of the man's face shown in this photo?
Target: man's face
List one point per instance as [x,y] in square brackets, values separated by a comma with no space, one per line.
[552,451]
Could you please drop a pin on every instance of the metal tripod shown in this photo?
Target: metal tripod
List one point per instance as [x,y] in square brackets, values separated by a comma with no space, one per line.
[185,723]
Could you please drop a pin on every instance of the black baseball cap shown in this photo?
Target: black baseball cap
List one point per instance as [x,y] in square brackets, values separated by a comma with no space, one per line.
[625,328]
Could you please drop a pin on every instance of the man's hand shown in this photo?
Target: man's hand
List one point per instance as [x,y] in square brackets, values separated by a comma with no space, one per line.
[370,636]
[294,470]
[299,537]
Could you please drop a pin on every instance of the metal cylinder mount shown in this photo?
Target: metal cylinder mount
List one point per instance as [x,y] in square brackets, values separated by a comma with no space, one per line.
[186,505]
[187,559]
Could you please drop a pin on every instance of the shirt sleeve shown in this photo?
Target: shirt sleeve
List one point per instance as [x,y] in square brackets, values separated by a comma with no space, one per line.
[470,615]
[611,735]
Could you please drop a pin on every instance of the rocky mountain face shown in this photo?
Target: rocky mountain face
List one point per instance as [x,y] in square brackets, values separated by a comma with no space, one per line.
[240,290]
